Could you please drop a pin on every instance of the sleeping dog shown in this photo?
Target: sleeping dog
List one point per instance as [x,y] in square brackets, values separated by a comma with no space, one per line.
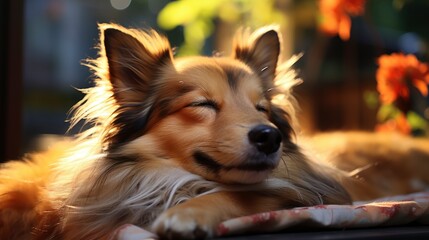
[178,145]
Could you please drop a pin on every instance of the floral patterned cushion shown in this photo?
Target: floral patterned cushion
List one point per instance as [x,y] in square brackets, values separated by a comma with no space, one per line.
[391,211]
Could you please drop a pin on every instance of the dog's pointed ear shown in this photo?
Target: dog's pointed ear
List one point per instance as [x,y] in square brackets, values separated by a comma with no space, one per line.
[260,50]
[134,59]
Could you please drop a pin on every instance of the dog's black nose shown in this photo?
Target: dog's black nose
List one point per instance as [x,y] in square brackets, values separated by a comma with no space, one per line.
[266,138]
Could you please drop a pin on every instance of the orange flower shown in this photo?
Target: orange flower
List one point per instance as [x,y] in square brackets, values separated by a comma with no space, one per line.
[335,16]
[396,72]
[397,124]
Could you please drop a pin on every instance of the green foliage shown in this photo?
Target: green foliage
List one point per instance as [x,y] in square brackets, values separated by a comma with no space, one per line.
[417,122]
[197,18]
[387,111]
[371,99]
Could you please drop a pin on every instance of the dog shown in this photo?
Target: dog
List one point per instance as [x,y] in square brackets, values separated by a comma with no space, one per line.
[178,145]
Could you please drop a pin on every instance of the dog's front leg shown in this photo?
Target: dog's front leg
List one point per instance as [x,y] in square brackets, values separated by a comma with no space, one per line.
[199,217]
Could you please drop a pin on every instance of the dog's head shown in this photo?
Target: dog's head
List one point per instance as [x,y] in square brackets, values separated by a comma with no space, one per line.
[213,116]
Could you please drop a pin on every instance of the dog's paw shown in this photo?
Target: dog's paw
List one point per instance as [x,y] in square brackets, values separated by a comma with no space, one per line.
[185,223]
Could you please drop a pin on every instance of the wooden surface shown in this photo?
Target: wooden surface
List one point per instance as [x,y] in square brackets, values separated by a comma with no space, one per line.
[402,232]
[11,56]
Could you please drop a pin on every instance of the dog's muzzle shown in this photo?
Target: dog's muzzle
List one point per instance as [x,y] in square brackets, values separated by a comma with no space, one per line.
[265,138]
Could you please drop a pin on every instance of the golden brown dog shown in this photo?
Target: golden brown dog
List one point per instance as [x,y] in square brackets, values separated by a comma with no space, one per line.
[179,145]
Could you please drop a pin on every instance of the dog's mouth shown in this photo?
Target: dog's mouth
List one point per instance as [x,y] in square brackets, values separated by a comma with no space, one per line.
[214,166]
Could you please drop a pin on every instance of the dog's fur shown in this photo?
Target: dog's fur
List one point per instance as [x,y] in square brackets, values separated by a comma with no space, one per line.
[179,145]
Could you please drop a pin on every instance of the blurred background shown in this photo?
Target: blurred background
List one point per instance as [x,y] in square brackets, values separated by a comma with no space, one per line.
[43,43]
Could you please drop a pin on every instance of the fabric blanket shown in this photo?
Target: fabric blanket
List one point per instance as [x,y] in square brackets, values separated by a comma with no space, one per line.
[391,211]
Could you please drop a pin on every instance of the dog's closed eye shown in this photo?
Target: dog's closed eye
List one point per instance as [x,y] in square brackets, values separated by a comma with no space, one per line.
[205,103]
